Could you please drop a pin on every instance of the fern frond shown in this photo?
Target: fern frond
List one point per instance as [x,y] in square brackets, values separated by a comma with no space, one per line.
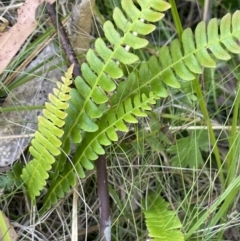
[92,145]
[186,58]
[102,70]
[46,143]
[162,224]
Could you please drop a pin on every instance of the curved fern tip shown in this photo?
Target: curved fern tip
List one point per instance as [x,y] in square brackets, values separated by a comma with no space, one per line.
[70,71]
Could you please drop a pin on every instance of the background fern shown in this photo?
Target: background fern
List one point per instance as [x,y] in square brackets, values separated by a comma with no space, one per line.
[162,223]
[92,145]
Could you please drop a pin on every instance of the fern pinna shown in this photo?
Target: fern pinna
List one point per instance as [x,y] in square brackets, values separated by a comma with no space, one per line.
[46,142]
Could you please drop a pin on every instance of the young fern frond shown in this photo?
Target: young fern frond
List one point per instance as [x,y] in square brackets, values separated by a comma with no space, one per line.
[46,142]
[102,69]
[162,224]
[92,145]
[186,58]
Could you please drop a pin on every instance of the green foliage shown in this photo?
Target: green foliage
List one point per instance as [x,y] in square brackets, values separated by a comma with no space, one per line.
[12,178]
[105,101]
[5,182]
[4,228]
[45,144]
[162,223]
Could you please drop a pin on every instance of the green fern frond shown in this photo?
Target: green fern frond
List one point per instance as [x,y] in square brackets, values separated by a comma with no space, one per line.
[46,143]
[102,69]
[162,223]
[92,145]
[186,58]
